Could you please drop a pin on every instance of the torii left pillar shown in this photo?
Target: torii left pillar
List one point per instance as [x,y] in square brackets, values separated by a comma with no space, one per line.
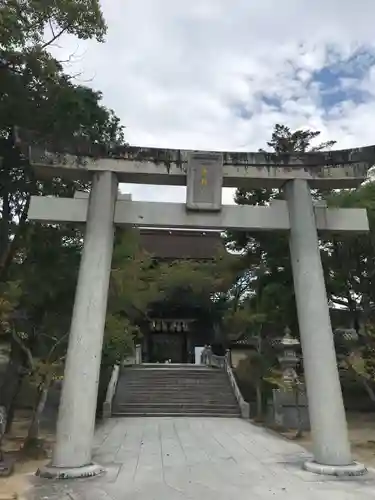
[76,419]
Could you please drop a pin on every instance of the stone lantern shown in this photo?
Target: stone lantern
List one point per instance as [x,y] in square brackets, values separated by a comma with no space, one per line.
[287,408]
[289,358]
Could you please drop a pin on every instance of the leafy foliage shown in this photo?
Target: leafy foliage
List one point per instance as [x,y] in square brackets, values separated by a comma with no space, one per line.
[196,284]
[349,259]
[359,360]
[9,296]
[266,275]
[133,285]
[24,23]
[119,339]
[37,99]
[140,285]
[283,140]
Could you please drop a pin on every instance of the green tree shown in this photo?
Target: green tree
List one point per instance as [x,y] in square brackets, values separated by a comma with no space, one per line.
[139,281]
[199,287]
[248,319]
[46,275]
[39,101]
[349,265]
[349,260]
[359,361]
[133,283]
[43,371]
[28,27]
[265,256]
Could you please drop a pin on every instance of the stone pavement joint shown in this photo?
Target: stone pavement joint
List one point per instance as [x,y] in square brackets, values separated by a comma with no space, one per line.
[206,458]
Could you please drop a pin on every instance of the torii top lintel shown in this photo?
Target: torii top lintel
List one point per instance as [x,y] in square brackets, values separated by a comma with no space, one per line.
[324,169]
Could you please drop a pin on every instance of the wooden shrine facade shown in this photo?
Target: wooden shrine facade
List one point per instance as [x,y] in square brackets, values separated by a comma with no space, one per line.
[174,331]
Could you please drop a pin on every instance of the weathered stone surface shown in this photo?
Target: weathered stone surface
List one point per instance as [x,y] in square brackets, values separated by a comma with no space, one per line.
[365,155]
[200,458]
[345,168]
[282,410]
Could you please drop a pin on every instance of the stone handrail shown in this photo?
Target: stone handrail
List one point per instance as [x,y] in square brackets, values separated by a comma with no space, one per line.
[210,359]
[223,362]
[244,405]
[138,354]
[107,405]
[135,358]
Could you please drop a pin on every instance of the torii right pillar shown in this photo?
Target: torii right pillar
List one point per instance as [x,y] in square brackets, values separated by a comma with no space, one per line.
[332,454]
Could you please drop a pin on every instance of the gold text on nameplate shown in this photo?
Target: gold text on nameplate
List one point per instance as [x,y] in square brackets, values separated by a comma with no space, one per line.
[204,177]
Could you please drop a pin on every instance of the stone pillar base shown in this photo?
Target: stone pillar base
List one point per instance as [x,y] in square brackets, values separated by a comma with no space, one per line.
[354,469]
[51,472]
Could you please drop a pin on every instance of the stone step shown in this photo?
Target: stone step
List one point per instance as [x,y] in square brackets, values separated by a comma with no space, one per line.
[215,378]
[171,403]
[175,390]
[173,387]
[174,382]
[172,376]
[170,366]
[175,409]
[179,395]
[129,398]
[182,376]
[171,390]
[176,414]
[166,371]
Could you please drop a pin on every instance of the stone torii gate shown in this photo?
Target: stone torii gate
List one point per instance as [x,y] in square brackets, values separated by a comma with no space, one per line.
[204,174]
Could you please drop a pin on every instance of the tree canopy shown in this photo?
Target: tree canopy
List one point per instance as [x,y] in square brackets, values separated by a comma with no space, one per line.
[265,282]
[38,99]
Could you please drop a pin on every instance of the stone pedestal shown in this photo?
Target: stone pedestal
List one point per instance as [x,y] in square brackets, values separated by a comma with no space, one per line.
[283,411]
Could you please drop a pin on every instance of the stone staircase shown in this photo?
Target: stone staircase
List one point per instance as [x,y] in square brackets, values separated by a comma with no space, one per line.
[174,390]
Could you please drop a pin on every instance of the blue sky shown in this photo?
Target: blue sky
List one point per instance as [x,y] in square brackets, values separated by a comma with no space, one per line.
[218,74]
[341,81]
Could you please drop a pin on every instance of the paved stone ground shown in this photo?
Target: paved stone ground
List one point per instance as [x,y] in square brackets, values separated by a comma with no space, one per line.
[199,458]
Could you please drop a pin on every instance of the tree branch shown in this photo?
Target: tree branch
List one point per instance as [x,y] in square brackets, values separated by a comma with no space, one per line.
[55,37]
[57,343]
[27,351]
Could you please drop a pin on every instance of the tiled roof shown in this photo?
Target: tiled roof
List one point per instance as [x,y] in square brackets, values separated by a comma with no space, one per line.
[245,340]
[346,333]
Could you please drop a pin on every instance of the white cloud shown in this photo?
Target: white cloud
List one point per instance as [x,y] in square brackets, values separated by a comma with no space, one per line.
[179,73]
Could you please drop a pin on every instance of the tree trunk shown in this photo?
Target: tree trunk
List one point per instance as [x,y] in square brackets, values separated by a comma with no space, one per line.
[10,251]
[11,384]
[299,432]
[259,384]
[259,395]
[370,391]
[34,428]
